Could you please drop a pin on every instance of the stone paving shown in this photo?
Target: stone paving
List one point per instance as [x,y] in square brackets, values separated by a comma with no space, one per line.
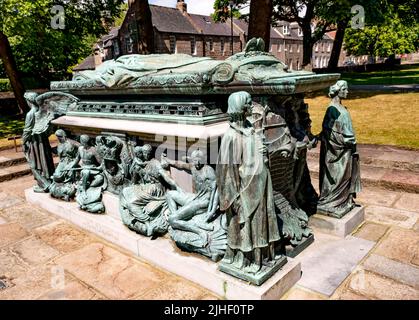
[44,257]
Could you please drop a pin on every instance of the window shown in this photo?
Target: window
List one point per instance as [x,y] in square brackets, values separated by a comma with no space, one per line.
[172,44]
[222,45]
[291,47]
[271,47]
[290,64]
[316,47]
[128,44]
[285,29]
[300,32]
[298,64]
[298,47]
[211,44]
[193,46]
[116,48]
[279,47]
[329,47]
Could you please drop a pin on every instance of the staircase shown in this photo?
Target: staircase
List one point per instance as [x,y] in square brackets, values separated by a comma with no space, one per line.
[386,167]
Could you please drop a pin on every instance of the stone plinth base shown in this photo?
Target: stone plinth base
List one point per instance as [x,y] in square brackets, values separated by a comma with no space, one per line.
[164,253]
[338,227]
[292,252]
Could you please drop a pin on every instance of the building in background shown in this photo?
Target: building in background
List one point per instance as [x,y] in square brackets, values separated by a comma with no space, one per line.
[177,31]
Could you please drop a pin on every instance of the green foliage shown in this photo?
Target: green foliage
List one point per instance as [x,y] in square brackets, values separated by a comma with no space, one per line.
[120,19]
[11,126]
[40,49]
[5,85]
[222,9]
[392,37]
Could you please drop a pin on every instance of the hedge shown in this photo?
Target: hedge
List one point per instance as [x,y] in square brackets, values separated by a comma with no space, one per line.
[5,85]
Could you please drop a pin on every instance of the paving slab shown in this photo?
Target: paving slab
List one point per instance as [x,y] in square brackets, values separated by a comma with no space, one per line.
[174,290]
[347,294]
[63,237]
[17,187]
[371,231]
[73,290]
[399,244]
[394,217]
[392,269]
[378,287]
[11,266]
[376,196]
[408,201]
[299,293]
[27,216]
[10,233]
[13,172]
[329,260]
[34,251]
[7,200]
[111,272]
[2,221]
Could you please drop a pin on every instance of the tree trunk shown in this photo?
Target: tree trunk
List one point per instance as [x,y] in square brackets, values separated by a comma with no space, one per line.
[307,45]
[144,27]
[9,64]
[260,17]
[337,45]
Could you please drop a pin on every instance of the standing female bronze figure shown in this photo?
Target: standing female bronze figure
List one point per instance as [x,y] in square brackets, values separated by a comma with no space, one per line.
[339,160]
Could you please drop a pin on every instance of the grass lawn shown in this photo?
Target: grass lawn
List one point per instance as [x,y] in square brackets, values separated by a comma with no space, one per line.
[409,74]
[382,118]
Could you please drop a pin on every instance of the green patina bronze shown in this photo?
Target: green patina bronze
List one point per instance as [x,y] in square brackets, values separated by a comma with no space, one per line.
[195,223]
[92,181]
[143,205]
[64,179]
[251,208]
[339,159]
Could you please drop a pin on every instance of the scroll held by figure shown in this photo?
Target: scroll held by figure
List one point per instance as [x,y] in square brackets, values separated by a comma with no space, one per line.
[246,197]
[194,222]
[339,160]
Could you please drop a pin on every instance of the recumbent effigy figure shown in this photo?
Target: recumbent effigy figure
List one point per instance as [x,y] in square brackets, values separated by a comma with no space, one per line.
[339,160]
[65,175]
[195,225]
[143,206]
[246,196]
[92,182]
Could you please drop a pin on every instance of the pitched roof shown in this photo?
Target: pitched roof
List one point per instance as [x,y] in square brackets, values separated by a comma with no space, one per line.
[207,26]
[171,20]
[86,64]
[243,25]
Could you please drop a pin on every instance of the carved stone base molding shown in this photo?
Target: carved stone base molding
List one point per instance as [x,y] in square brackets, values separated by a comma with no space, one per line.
[164,253]
[338,227]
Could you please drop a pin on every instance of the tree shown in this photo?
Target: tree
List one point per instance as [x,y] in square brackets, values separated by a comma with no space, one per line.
[391,38]
[259,17]
[42,43]
[145,26]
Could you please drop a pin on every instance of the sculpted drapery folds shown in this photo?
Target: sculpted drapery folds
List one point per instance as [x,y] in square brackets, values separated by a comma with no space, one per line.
[246,194]
[36,146]
[339,159]
[194,223]
[66,173]
[143,206]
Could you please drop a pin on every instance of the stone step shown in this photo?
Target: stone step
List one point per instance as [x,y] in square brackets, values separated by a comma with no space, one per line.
[8,161]
[387,178]
[15,171]
[389,157]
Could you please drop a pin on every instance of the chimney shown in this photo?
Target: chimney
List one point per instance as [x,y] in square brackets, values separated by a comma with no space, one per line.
[182,6]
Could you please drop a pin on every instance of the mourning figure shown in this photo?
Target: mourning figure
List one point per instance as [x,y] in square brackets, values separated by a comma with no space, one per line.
[339,160]
[109,149]
[92,183]
[36,146]
[246,196]
[193,220]
[66,173]
[138,163]
[143,206]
